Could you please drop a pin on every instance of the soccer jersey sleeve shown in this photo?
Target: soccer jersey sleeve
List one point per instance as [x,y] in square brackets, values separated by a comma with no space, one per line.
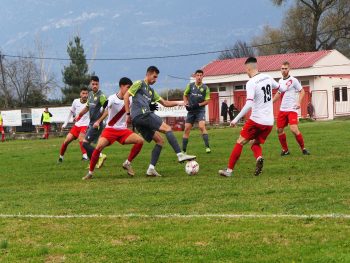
[297,85]
[135,87]
[275,84]
[73,108]
[207,93]
[156,97]
[103,99]
[187,90]
[250,90]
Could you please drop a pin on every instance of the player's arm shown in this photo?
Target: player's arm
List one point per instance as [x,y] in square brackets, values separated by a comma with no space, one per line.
[275,85]
[166,103]
[130,93]
[41,120]
[206,99]
[276,97]
[301,94]
[248,105]
[185,96]
[70,115]
[103,116]
[81,113]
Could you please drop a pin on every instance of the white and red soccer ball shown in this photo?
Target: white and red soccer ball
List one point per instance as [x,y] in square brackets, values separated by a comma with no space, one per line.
[192,167]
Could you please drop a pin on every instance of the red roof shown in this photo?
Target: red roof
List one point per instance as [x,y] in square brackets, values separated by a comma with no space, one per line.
[265,63]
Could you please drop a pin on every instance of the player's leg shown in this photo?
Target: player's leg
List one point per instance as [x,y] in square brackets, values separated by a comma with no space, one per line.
[186,135]
[299,138]
[234,157]
[158,139]
[69,138]
[81,137]
[101,144]
[263,132]
[2,134]
[135,139]
[282,122]
[166,129]
[205,136]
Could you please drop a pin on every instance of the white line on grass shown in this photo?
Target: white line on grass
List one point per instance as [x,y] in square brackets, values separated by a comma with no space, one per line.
[292,216]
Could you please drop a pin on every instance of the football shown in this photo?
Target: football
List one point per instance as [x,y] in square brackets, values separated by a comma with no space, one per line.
[192,168]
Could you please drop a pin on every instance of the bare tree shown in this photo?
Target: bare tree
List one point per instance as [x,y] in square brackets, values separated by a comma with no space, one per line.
[310,25]
[239,50]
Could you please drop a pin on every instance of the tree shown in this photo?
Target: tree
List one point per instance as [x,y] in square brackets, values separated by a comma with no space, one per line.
[239,50]
[309,25]
[23,79]
[75,76]
[172,94]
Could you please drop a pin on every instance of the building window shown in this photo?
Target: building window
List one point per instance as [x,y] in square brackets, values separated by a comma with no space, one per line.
[305,83]
[337,94]
[213,89]
[344,93]
[240,87]
[222,89]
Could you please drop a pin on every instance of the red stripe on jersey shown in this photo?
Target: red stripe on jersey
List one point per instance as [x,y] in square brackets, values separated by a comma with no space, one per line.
[117,117]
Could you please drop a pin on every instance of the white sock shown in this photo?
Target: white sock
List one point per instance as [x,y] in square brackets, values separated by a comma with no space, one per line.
[127,162]
[229,170]
[179,154]
[90,172]
[100,154]
[151,166]
[61,156]
[85,156]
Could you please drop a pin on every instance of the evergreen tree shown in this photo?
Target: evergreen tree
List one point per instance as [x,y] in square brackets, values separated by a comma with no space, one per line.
[76,74]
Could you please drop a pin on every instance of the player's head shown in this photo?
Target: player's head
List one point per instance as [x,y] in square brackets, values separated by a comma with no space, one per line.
[84,93]
[95,83]
[152,75]
[285,69]
[124,84]
[199,76]
[251,66]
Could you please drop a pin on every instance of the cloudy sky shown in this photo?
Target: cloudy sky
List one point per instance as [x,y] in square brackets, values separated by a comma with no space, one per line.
[134,28]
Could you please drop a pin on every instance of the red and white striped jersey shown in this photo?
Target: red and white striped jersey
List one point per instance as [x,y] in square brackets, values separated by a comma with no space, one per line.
[77,107]
[259,90]
[116,113]
[291,88]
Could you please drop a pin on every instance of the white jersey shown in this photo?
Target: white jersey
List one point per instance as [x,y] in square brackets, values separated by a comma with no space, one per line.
[116,113]
[259,90]
[77,107]
[291,88]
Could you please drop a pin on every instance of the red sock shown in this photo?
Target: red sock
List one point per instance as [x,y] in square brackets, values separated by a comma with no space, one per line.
[135,151]
[257,150]
[63,148]
[283,140]
[235,154]
[94,158]
[82,149]
[300,140]
[3,137]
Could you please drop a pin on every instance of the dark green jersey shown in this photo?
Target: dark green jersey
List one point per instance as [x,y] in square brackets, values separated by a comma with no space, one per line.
[142,95]
[197,94]
[95,103]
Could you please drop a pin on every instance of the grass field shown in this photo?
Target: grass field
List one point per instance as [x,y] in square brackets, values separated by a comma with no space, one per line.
[139,219]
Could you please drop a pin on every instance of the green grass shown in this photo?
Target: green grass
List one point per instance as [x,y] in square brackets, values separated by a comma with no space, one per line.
[32,183]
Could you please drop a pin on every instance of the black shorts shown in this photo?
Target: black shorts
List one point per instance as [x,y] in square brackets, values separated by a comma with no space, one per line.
[195,116]
[147,124]
[92,134]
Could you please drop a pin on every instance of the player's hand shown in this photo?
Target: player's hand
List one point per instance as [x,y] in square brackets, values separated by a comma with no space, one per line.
[96,125]
[128,119]
[153,106]
[188,108]
[233,123]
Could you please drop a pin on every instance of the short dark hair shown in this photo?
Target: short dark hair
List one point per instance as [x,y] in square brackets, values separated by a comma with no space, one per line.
[152,69]
[251,60]
[286,63]
[84,89]
[125,81]
[199,71]
[95,78]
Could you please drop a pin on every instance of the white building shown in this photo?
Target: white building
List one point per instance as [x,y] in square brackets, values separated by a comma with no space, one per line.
[325,76]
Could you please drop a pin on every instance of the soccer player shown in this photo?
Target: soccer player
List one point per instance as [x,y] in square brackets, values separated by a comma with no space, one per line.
[95,105]
[290,87]
[79,129]
[258,127]
[196,96]
[147,122]
[46,122]
[116,130]
[2,129]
